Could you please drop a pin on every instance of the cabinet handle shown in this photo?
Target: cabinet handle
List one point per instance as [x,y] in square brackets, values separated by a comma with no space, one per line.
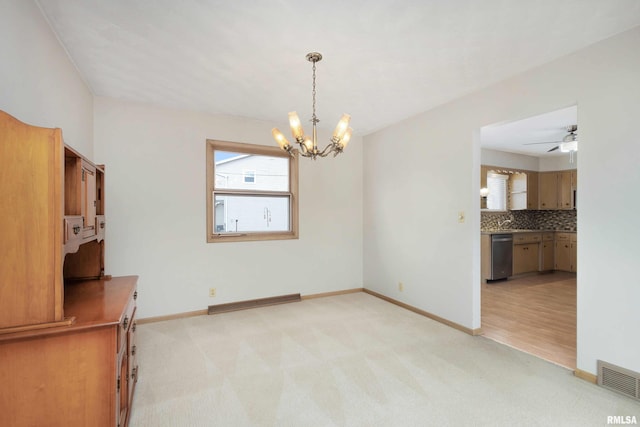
[76,229]
[133,328]
[134,374]
[101,224]
[135,295]
[133,350]
[125,323]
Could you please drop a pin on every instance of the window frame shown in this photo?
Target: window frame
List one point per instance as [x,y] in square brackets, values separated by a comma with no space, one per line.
[262,150]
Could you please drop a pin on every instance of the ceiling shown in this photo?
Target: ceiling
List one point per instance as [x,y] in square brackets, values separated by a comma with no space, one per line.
[540,133]
[382,62]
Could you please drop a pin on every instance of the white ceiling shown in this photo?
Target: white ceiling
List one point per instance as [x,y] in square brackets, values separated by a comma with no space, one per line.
[541,133]
[383,61]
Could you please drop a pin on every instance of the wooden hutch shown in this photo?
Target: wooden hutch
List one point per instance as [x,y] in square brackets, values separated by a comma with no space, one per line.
[67,330]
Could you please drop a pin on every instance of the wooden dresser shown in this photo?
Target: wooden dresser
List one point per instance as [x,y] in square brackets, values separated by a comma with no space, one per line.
[67,330]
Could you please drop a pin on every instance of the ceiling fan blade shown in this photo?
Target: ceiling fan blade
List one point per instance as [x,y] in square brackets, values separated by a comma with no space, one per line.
[536,143]
[553,149]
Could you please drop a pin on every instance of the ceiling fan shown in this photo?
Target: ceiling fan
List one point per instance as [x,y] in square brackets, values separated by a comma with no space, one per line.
[568,144]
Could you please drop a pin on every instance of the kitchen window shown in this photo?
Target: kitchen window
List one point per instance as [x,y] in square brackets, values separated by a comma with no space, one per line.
[497,197]
[252,192]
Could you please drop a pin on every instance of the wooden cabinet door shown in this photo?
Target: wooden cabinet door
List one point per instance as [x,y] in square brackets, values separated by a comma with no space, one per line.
[525,258]
[532,190]
[548,190]
[547,261]
[563,254]
[565,193]
[573,245]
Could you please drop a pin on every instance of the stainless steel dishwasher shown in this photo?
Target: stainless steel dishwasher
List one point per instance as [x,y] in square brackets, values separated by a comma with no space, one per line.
[501,256]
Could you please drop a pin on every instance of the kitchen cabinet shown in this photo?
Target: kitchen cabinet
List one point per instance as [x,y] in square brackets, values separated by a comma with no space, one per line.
[526,257]
[556,189]
[548,190]
[565,193]
[66,329]
[547,252]
[566,252]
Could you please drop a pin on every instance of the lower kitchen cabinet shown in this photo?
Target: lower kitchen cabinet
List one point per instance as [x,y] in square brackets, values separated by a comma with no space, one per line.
[547,252]
[525,258]
[566,252]
[77,375]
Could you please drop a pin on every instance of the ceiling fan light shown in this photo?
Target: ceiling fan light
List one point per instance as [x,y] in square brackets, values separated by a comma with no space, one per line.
[567,147]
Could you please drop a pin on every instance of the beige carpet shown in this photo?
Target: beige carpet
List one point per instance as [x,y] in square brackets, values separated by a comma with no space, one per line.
[350,360]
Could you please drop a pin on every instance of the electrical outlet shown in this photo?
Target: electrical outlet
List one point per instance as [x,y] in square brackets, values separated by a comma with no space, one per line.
[212,292]
[400,286]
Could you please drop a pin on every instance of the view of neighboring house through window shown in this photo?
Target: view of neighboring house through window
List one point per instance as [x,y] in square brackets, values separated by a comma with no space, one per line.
[251,192]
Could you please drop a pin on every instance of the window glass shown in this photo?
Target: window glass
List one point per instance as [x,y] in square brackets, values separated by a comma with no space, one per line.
[240,171]
[241,214]
[252,192]
[497,185]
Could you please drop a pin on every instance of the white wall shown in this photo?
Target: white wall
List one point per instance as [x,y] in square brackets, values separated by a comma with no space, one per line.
[508,160]
[434,173]
[156,208]
[38,83]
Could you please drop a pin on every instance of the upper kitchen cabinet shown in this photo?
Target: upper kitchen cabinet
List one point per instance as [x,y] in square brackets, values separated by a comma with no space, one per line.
[557,189]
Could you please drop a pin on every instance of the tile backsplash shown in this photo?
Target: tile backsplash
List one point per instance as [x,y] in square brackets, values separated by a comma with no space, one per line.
[561,220]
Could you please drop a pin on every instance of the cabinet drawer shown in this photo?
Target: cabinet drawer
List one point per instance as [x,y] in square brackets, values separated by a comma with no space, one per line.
[519,239]
[563,237]
[72,228]
[125,322]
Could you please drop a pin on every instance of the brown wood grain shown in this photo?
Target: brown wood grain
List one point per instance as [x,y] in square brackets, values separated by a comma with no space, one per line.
[535,313]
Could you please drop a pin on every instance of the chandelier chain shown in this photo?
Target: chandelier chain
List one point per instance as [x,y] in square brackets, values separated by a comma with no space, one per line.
[314,119]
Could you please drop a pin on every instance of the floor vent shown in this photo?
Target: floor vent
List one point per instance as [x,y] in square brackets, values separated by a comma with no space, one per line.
[619,379]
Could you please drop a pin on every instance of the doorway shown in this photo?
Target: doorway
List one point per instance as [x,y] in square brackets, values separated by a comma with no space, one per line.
[534,310]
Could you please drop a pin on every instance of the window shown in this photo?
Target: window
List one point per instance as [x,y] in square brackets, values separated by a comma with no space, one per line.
[497,185]
[249,177]
[252,192]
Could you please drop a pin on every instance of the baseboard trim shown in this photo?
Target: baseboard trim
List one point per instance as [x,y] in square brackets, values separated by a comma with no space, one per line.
[171,317]
[332,294]
[425,313]
[587,376]
[254,303]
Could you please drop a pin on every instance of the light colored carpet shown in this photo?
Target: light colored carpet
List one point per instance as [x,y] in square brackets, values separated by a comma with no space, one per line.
[350,360]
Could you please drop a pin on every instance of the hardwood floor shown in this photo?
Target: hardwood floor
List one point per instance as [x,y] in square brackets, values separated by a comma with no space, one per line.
[535,313]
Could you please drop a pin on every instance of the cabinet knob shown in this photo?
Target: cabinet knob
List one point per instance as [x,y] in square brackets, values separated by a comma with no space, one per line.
[101,224]
[135,295]
[76,229]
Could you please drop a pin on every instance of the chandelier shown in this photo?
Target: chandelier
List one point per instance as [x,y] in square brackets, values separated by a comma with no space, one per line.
[309,145]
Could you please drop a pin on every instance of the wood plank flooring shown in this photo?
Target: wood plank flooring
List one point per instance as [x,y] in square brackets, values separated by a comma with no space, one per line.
[535,314]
